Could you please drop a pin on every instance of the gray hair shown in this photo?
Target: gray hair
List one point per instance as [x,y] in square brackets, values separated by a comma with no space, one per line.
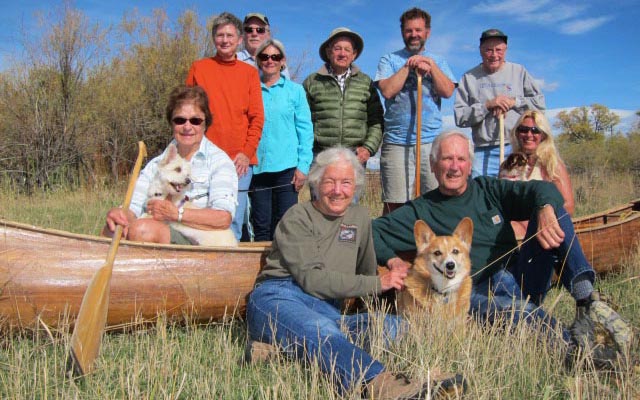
[226,18]
[271,42]
[332,156]
[435,146]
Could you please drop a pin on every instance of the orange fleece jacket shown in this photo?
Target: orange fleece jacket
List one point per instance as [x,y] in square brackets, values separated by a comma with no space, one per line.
[235,100]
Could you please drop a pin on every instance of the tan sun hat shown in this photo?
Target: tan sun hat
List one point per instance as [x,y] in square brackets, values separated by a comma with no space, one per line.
[357,42]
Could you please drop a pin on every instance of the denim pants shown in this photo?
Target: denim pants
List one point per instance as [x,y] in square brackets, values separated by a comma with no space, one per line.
[269,205]
[515,294]
[244,182]
[486,160]
[308,329]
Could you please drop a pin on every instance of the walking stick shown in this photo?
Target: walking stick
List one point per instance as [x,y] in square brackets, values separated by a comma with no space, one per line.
[418,133]
[501,127]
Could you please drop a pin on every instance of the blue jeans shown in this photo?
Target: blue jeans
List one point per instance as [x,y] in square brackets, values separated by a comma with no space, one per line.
[238,219]
[486,160]
[269,205]
[517,293]
[308,329]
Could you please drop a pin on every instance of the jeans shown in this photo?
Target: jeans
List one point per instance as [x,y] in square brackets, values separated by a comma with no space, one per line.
[518,292]
[269,205]
[238,219]
[308,329]
[486,160]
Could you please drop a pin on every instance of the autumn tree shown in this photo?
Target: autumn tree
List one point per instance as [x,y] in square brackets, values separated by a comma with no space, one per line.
[583,124]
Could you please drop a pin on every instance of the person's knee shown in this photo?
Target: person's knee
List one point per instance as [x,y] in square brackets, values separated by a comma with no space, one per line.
[144,230]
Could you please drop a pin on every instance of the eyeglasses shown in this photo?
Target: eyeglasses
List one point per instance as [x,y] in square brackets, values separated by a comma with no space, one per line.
[249,29]
[195,121]
[527,129]
[274,57]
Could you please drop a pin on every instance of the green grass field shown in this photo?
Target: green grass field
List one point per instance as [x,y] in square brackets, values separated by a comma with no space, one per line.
[167,361]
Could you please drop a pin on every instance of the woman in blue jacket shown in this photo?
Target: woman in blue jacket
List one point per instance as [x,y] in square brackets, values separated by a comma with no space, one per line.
[284,153]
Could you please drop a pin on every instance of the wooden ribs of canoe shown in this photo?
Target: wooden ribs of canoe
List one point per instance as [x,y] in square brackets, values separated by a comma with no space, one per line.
[44,274]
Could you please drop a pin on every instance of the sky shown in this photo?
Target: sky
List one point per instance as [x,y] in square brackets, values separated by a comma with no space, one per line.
[581,52]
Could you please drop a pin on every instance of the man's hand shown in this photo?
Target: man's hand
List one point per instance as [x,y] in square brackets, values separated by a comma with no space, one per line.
[549,234]
[500,104]
[421,64]
[241,162]
[363,154]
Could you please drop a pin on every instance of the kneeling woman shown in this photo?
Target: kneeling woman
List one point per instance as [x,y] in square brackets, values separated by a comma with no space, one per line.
[323,253]
[215,182]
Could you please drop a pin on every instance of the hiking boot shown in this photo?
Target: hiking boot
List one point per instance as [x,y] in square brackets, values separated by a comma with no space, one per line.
[258,352]
[389,386]
[598,329]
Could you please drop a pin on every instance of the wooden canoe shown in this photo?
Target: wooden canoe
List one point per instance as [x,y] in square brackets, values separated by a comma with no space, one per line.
[44,272]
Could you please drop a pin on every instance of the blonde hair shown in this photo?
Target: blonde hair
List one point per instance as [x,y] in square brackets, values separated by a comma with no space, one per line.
[547,153]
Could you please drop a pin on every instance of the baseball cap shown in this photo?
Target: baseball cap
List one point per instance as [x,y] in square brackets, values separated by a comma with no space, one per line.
[493,33]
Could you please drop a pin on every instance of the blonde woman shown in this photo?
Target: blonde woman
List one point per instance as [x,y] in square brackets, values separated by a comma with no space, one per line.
[532,137]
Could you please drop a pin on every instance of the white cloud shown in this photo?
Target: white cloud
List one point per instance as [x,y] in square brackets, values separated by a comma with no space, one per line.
[584,25]
[509,7]
[547,86]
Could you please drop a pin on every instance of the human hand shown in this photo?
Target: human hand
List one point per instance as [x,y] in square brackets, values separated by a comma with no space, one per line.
[398,264]
[162,210]
[298,180]
[363,154]
[421,64]
[241,161]
[116,216]
[394,279]
[549,234]
[500,104]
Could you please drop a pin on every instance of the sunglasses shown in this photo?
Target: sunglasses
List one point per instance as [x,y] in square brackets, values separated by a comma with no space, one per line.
[274,57]
[195,121]
[527,129]
[249,29]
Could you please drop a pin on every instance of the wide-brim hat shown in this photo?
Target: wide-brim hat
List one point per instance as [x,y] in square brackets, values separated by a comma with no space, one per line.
[357,42]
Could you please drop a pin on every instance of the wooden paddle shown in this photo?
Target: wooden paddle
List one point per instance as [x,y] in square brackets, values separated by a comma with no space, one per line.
[418,133]
[501,128]
[89,326]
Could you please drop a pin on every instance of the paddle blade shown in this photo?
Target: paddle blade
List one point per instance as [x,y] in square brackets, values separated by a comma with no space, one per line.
[87,333]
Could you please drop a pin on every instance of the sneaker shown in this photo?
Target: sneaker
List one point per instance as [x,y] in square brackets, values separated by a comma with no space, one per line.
[389,386]
[599,329]
[258,352]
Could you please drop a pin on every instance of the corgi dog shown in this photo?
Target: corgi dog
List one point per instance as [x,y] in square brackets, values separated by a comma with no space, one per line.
[514,167]
[171,182]
[440,278]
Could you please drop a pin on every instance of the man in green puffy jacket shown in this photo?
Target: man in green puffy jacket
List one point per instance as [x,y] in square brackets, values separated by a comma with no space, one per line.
[345,106]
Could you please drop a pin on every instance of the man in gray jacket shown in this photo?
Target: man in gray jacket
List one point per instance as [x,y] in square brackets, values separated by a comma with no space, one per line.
[493,88]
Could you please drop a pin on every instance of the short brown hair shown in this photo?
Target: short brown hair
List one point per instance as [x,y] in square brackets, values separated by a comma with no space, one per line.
[189,94]
[415,13]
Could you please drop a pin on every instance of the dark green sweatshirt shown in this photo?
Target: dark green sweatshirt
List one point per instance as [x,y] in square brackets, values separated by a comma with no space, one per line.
[489,202]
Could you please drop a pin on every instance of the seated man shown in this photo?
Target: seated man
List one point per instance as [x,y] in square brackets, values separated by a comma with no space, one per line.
[505,283]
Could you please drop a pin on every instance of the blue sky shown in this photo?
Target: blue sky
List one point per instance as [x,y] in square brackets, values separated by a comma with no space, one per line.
[582,52]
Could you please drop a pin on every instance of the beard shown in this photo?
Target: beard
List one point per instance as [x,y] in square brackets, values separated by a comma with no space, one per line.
[412,47]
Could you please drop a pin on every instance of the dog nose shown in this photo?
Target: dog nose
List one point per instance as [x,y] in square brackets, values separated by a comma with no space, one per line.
[187,181]
[450,266]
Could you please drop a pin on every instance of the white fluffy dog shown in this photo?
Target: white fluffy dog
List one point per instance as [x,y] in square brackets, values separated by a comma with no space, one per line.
[171,182]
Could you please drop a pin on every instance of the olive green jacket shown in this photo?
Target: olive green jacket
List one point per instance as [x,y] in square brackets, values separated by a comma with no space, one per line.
[351,119]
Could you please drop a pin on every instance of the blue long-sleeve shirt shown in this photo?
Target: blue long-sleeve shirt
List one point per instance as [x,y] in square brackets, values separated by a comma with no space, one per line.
[287,134]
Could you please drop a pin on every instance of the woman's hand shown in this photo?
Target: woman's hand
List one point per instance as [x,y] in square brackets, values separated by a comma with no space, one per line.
[241,161]
[162,210]
[298,180]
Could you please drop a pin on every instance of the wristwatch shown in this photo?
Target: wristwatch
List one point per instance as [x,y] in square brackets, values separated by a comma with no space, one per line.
[180,213]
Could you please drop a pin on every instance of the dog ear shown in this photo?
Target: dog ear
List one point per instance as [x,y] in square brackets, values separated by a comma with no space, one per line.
[464,230]
[172,153]
[423,234]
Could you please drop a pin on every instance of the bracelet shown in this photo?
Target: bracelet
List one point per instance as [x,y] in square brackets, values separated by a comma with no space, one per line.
[180,213]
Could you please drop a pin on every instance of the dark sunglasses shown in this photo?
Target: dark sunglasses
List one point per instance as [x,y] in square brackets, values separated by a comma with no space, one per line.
[195,121]
[274,57]
[249,29]
[527,129]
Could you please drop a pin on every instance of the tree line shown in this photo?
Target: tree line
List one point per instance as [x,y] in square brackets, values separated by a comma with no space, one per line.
[74,104]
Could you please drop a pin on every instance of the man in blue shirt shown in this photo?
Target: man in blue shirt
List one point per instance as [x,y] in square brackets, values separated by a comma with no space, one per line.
[396,79]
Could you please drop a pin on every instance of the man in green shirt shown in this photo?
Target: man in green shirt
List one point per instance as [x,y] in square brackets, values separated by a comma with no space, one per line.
[498,266]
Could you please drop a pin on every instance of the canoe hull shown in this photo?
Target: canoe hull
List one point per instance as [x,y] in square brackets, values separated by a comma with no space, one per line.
[44,274]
